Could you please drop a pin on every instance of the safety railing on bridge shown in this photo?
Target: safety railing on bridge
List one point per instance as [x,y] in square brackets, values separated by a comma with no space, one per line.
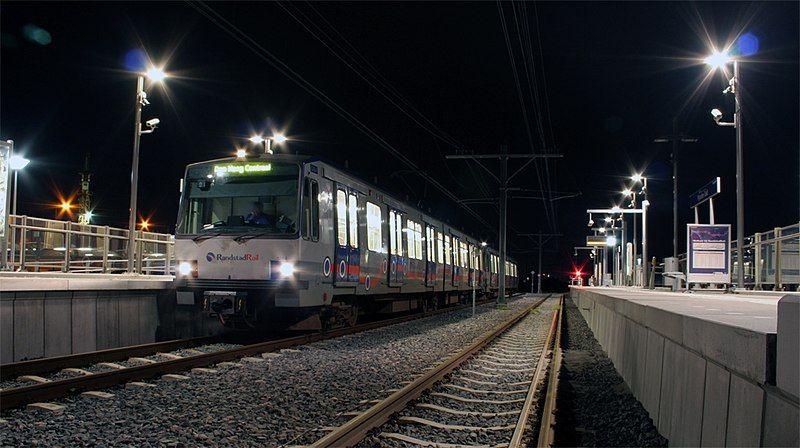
[41,245]
[771,259]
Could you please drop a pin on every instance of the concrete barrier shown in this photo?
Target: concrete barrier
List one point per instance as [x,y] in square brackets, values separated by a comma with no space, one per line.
[50,315]
[705,372]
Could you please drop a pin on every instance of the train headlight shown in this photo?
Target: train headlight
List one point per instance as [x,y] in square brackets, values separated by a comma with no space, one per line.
[187,268]
[286,269]
[184,268]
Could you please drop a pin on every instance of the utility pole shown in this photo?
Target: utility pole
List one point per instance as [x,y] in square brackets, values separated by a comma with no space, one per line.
[503,180]
[85,201]
[542,242]
[676,140]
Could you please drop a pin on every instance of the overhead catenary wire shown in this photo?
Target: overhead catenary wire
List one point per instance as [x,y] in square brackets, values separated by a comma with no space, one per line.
[251,44]
[356,62]
[521,98]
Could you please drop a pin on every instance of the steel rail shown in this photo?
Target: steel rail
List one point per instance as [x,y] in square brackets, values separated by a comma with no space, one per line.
[547,424]
[354,431]
[12,398]
[47,365]
[539,374]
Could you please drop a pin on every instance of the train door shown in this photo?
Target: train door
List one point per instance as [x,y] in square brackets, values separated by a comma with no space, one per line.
[348,256]
[397,267]
[456,261]
[430,256]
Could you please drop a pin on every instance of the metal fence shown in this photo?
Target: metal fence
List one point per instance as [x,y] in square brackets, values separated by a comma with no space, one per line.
[41,245]
[771,259]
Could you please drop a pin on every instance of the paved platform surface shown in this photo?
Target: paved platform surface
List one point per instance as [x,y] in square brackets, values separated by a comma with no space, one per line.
[59,281]
[756,312]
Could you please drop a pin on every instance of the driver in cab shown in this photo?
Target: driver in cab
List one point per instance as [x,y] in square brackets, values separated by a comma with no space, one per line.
[257,216]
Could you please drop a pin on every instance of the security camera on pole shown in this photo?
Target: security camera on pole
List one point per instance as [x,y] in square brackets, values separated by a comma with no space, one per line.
[155,75]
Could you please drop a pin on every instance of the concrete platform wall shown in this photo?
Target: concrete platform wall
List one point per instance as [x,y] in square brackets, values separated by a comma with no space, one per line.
[37,324]
[703,384]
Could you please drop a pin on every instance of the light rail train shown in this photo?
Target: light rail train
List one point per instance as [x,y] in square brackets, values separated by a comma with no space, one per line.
[293,240]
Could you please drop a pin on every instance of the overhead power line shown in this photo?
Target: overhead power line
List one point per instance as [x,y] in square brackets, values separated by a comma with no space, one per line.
[251,44]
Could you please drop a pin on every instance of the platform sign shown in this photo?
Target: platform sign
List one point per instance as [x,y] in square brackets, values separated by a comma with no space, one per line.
[705,192]
[708,252]
[596,240]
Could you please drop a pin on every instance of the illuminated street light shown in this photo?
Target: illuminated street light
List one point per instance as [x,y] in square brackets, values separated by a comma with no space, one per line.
[607,219]
[627,192]
[157,75]
[16,162]
[144,225]
[718,60]
[66,206]
[241,153]
[639,178]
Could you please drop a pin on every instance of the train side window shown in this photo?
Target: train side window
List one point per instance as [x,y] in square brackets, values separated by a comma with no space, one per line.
[341,217]
[418,240]
[411,239]
[352,212]
[456,255]
[398,230]
[439,247]
[429,244]
[374,234]
[311,210]
[392,232]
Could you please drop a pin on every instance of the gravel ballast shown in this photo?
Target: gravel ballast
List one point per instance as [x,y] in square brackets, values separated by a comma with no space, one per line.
[284,400]
[595,406]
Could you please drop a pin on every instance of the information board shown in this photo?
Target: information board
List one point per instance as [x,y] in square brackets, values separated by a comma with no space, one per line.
[708,253]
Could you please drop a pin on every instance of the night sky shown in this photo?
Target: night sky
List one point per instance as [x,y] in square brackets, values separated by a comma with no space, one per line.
[599,81]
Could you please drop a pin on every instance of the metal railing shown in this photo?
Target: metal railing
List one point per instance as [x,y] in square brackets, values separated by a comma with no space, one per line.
[771,259]
[42,245]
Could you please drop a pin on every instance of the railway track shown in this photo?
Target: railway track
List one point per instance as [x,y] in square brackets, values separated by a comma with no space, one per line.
[138,368]
[492,393]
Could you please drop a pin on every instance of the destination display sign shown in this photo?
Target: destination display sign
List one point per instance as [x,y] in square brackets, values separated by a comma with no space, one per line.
[596,240]
[705,192]
[708,253]
[241,169]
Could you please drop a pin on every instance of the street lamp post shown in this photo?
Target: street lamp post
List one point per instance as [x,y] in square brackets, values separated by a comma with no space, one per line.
[16,163]
[719,60]
[155,75]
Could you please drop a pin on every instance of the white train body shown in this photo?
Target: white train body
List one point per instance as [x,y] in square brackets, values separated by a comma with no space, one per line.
[327,246]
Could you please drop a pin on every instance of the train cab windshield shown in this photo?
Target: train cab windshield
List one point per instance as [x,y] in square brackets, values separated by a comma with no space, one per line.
[249,198]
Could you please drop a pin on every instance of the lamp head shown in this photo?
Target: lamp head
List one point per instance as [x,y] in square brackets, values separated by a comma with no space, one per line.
[717,114]
[257,139]
[717,59]
[279,138]
[17,162]
[155,74]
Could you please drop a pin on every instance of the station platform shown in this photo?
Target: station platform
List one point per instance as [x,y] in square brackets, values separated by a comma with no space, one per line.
[711,369]
[45,314]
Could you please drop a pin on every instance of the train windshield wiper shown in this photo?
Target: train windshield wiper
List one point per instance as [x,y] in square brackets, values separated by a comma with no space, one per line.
[205,236]
[250,236]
